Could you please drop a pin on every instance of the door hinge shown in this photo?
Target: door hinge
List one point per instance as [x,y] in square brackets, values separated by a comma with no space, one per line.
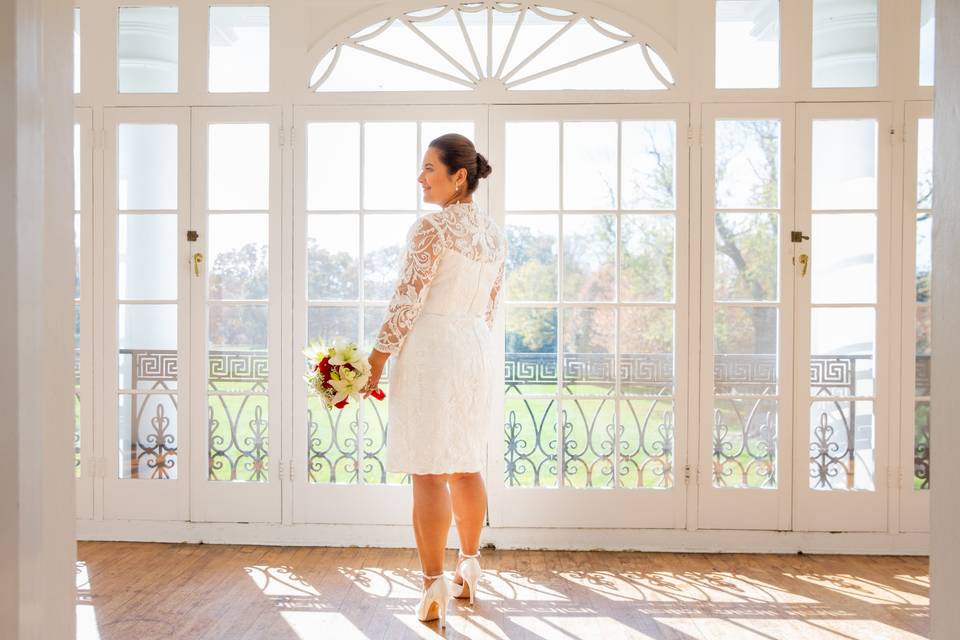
[687,473]
[285,469]
[99,139]
[283,137]
[694,138]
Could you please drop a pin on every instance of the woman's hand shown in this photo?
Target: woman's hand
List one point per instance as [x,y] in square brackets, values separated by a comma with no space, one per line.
[377,361]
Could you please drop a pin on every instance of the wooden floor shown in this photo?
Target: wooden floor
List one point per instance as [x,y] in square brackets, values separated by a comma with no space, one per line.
[144,591]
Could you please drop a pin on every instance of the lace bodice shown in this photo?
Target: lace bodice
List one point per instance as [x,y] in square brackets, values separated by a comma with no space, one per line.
[453,265]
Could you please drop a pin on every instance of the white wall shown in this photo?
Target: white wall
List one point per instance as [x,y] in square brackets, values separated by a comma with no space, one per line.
[945,403]
[37,550]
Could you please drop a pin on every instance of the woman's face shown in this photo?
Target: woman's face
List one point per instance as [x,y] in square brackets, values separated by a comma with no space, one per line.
[438,184]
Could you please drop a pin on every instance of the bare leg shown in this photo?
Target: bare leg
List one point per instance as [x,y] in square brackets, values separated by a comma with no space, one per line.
[431,522]
[469,498]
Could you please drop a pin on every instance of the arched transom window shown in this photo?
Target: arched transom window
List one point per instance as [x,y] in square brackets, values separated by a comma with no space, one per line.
[459,46]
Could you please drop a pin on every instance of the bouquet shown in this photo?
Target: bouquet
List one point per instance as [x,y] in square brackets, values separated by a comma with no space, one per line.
[338,371]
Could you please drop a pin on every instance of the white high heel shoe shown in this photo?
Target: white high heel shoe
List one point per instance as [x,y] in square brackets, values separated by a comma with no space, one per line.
[436,594]
[470,571]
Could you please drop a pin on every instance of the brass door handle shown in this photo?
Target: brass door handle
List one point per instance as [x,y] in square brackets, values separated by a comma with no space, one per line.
[804,263]
[197,259]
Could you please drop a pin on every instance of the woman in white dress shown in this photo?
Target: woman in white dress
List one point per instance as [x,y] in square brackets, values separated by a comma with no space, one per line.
[443,383]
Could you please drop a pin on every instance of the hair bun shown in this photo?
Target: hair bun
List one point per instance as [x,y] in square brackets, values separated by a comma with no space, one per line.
[483,167]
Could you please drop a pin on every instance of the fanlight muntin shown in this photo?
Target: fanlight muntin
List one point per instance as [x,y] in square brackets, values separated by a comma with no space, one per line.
[515,45]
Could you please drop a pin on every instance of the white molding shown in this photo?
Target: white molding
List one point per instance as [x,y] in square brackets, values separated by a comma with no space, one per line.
[659,540]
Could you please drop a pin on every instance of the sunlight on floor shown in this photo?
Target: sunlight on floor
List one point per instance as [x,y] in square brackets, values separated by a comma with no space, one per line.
[321,594]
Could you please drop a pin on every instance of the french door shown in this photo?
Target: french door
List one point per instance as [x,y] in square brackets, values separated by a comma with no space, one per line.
[795,382]
[595,202]
[748,276]
[843,341]
[191,335]
[355,197]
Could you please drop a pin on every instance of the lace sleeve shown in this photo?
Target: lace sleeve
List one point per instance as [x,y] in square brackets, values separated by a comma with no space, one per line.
[494,297]
[424,248]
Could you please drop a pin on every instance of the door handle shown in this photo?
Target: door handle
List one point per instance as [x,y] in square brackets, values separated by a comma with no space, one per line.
[197,259]
[804,263]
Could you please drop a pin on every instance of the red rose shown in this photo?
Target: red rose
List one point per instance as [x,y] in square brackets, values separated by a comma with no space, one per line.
[341,404]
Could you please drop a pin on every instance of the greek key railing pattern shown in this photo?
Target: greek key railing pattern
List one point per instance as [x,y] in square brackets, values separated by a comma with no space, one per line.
[347,445]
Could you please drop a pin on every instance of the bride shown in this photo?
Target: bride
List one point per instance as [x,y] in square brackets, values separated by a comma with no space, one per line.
[442,383]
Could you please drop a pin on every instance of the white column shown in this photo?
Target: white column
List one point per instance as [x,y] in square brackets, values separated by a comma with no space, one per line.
[945,401]
[37,548]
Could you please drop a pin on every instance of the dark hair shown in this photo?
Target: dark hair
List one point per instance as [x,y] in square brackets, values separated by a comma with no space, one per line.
[457,152]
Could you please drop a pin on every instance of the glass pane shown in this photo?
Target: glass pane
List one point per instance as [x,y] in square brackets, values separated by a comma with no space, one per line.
[588,440]
[924,256]
[590,165]
[921,446]
[747,168]
[843,259]
[239,166]
[842,445]
[927,39]
[747,257]
[745,443]
[646,351]
[577,42]
[842,351]
[238,438]
[390,165]
[603,73]
[147,166]
[531,268]
[475,23]
[748,44]
[147,256]
[645,455]
[373,317]
[588,350]
[76,434]
[238,328]
[333,248]
[147,49]
[76,256]
[147,326]
[844,43]
[530,434]
[530,343]
[358,70]
[647,258]
[384,240]
[238,257]
[589,257]
[400,41]
[745,358]
[924,341]
[536,30]
[76,343]
[844,164]
[533,166]
[326,323]
[332,443]
[375,423]
[333,166]
[76,50]
[237,347]
[925,163]
[239,49]
[77,166]
[445,32]
[147,438]
[648,164]
[147,358]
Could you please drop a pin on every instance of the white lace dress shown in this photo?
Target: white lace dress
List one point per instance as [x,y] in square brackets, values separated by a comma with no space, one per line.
[443,381]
